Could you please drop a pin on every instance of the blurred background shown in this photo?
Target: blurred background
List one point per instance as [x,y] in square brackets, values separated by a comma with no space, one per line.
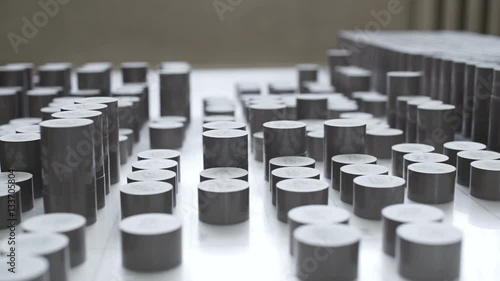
[216,33]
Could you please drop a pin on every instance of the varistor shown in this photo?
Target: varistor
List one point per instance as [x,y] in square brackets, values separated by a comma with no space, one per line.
[21,152]
[175,89]
[436,125]
[225,148]
[400,83]
[379,142]
[166,135]
[146,197]
[342,136]
[312,106]
[283,138]
[484,179]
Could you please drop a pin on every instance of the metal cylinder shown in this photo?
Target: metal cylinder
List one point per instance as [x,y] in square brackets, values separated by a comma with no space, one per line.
[375,192]
[11,205]
[224,173]
[337,57]
[312,106]
[70,225]
[168,154]
[258,146]
[411,116]
[146,197]
[124,148]
[51,246]
[420,243]
[21,152]
[48,111]
[469,89]
[400,150]
[25,182]
[436,125]
[283,138]
[422,157]
[225,148]
[445,80]
[156,175]
[15,76]
[484,178]
[464,160]
[338,245]
[379,142]
[134,72]
[452,148]
[98,140]
[129,143]
[315,145]
[402,110]
[105,134]
[400,83]
[113,134]
[285,173]
[223,201]
[342,136]
[483,86]
[8,104]
[95,76]
[396,215]
[264,112]
[349,172]
[341,160]
[457,89]
[56,74]
[68,166]
[306,73]
[293,193]
[175,89]
[34,269]
[314,215]
[494,123]
[374,104]
[151,242]
[431,183]
[166,135]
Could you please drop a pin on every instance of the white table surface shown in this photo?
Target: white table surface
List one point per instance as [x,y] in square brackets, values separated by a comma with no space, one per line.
[258,249]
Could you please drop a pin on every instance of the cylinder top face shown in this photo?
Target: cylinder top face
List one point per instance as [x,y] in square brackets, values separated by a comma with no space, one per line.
[432,168]
[464,145]
[403,74]
[225,134]
[38,243]
[364,169]
[284,124]
[42,92]
[356,115]
[31,268]
[154,164]
[412,147]
[65,123]
[435,107]
[259,135]
[213,118]
[479,155]
[319,134]
[54,223]
[314,97]
[426,157]
[327,235]
[4,189]
[9,91]
[175,67]
[338,52]
[385,132]
[347,106]
[412,213]
[103,100]
[318,214]
[224,173]
[29,129]
[354,158]
[123,103]
[84,106]
[292,161]
[66,100]
[159,153]
[374,98]
[76,114]
[122,138]
[302,185]
[423,100]
[489,165]
[409,98]
[223,185]
[433,234]
[125,131]
[379,181]
[151,175]
[307,67]
[20,137]
[150,224]
[223,125]
[171,118]
[146,188]
[17,176]
[25,121]
[134,64]
[295,172]
[166,125]
[344,123]
[267,106]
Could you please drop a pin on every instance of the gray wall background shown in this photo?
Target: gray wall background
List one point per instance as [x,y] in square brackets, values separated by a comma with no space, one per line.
[248,33]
